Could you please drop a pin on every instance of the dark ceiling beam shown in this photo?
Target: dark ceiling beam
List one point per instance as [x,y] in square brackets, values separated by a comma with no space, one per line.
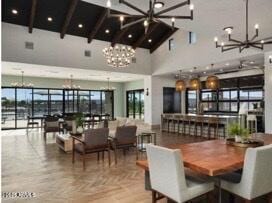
[68,17]
[162,40]
[97,26]
[145,36]
[32,15]
[119,35]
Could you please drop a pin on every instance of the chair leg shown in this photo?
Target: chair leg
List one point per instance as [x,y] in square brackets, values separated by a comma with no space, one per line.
[83,159]
[109,157]
[153,196]
[73,152]
[115,155]
[98,156]
[137,153]
[103,155]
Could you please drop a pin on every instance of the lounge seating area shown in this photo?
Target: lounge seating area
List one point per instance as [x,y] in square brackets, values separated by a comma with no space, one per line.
[126,101]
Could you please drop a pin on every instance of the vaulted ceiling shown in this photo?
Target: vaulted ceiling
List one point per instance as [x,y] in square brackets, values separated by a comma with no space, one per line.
[67,15]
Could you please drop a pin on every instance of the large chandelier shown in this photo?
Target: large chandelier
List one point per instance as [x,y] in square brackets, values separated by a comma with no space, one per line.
[69,84]
[149,16]
[119,56]
[22,83]
[247,43]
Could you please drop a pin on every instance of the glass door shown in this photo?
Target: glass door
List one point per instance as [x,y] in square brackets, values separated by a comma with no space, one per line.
[107,103]
[55,102]
[40,102]
[84,101]
[135,104]
[8,108]
[24,106]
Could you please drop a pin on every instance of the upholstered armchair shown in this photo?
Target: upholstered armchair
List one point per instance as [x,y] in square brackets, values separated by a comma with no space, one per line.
[51,124]
[94,141]
[125,138]
[168,178]
[256,178]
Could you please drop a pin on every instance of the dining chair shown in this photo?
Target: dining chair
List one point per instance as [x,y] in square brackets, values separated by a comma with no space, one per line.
[94,141]
[167,176]
[32,123]
[256,178]
[51,124]
[125,138]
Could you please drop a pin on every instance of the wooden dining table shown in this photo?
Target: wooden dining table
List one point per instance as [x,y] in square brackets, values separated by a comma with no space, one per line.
[212,158]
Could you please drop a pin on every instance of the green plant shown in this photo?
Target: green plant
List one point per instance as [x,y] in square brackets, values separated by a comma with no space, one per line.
[79,119]
[235,129]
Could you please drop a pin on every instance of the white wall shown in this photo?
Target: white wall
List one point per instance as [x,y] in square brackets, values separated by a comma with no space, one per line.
[185,56]
[50,50]
[57,83]
[268,93]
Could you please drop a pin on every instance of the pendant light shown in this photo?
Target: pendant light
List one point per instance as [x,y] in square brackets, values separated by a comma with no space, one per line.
[180,84]
[195,84]
[212,81]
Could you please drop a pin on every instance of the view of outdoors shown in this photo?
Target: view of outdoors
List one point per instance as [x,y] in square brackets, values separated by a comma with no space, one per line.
[19,103]
[135,104]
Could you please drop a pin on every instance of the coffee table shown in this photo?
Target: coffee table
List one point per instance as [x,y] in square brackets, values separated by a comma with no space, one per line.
[64,142]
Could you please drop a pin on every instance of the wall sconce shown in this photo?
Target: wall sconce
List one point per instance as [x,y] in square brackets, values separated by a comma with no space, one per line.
[270,59]
[147,92]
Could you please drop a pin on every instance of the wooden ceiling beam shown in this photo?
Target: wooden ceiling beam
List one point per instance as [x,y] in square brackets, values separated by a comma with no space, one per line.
[97,26]
[119,35]
[68,17]
[162,40]
[32,15]
[145,36]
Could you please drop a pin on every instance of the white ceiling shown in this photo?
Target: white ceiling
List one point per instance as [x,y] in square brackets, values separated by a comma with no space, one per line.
[211,16]
[251,62]
[11,68]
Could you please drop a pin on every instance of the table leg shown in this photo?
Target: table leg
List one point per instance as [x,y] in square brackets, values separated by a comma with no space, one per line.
[219,191]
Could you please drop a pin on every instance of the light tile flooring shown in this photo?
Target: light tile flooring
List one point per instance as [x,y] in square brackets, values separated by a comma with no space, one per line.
[31,164]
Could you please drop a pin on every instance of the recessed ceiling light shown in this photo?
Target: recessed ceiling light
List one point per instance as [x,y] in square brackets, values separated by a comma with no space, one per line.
[16,68]
[50,19]
[107,31]
[80,25]
[130,36]
[150,40]
[207,67]
[14,11]
[159,4]
[204,72]
[191,71]
[251,62]
[227,64]
[221,70]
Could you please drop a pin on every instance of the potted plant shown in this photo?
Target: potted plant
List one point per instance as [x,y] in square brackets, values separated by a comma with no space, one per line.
[237,132]
[79,122]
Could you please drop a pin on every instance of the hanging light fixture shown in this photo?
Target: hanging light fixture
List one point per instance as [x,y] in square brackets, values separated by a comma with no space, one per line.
[119,56]
[151,15]
[68,84]
[108,88]
[180,84]
[22,83]
[243,44]
[195,84]
[212,81]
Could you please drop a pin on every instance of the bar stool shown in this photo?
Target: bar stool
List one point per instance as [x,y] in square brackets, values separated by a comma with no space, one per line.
[252,123]
[199,121]
[176,120]
[186,121]
[213,122]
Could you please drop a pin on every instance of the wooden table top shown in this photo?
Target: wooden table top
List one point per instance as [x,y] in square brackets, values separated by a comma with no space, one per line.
[213,157]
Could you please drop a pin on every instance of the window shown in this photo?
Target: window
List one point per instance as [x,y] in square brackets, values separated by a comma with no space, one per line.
[135,104]
[8,108]
[192,37]
[251,97]
[18,103]
[228,100]
[191,101]
[171,44]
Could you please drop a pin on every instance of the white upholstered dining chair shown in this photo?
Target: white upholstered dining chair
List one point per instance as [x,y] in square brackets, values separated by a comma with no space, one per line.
[167,176]
[256,179]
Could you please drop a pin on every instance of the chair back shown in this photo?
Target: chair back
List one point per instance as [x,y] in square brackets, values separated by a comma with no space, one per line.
[96,137]
[51,119]
[166,169]
[257,171]
[126,134]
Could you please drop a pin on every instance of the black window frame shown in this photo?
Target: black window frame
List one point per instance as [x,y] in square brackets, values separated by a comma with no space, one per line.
[140,91]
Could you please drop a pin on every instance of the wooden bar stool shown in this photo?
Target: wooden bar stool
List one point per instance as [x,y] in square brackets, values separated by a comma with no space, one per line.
[213,122]
[176,121]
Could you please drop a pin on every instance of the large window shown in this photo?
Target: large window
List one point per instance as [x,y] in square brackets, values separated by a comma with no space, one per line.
[8,108]
[234,93]
[19,103]
[135,104]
